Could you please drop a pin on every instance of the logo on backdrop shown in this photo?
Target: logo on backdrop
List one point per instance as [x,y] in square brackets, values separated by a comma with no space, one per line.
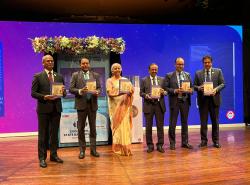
[230,115]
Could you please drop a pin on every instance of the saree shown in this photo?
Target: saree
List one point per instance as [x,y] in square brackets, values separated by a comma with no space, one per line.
[120,113]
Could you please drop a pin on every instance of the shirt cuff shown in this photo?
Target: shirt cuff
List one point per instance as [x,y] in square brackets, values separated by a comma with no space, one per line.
[80,92]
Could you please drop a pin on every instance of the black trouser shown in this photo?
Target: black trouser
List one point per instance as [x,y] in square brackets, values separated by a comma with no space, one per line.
[159,116]
[82,115]
[183,108]
[48,125]
[209,107]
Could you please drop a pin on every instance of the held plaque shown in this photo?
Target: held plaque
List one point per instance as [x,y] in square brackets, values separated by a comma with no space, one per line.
[124,86]
[56,89]
[155,91]
[208,88]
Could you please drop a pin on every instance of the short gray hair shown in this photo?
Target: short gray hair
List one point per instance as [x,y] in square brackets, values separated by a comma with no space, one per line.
[46,56]
[115,64]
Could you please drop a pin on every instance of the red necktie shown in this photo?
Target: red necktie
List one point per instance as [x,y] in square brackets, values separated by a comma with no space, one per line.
[50,77]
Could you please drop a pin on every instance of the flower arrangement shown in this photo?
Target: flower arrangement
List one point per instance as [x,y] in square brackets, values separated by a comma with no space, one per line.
[76,46]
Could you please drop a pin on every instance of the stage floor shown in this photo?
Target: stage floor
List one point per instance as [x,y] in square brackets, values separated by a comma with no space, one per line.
[228,165]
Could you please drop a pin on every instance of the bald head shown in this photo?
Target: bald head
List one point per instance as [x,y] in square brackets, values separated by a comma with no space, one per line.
[48,62]
[179,64]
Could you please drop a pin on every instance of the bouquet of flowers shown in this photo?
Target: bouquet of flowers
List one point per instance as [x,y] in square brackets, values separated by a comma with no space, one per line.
[76,46]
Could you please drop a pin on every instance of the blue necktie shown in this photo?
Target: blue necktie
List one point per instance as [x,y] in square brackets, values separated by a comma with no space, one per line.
[85,76]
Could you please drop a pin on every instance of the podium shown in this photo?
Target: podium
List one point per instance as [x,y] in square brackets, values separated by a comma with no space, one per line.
[137,130]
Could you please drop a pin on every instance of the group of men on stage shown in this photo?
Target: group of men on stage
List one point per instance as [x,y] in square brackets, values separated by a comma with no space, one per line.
[180,101]
[49,107]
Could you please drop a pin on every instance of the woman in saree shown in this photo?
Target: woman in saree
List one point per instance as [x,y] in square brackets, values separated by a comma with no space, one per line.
[120,112]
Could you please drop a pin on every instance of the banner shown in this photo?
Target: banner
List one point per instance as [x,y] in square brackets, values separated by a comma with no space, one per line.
[137,130]
[67,64]
[69,132]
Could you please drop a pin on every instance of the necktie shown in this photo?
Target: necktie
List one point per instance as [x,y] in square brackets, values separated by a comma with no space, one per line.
[180,95]
[180,80]
[207,76]
[85,76]
[154,82]
[50,77]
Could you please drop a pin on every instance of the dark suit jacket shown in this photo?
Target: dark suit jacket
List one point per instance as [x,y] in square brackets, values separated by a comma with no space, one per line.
[218,82]
[78,82]
[145,88]
[40,88]
[171,83]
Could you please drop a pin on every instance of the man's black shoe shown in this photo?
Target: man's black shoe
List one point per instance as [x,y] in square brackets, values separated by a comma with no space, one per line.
[160,149]
[188,146]
[56,159]
[202,144]
[43,164]
[217,145]
[172,147]
[94,153]
[81,155]
[150,149]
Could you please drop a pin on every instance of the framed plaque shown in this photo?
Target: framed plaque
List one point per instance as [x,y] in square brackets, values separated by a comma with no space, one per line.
[124,86]
[56,89]
[208,88]
[185,85]
[155,91]
[91,85]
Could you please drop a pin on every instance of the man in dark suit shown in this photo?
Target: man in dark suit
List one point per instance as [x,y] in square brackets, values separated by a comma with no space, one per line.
[86,105]
[49,108]
[179,101]
[153,107]
[209,104]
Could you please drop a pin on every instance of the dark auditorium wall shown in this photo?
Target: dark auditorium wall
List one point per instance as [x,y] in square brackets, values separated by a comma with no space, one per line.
[246,72]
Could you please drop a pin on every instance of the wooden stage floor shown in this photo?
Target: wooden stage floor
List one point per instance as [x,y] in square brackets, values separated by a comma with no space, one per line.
[227,165]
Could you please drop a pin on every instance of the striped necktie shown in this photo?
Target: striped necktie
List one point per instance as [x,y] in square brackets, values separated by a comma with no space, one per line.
[154,82]
[180,80]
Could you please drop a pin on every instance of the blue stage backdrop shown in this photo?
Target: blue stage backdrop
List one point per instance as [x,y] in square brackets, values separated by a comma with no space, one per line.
[145,43]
